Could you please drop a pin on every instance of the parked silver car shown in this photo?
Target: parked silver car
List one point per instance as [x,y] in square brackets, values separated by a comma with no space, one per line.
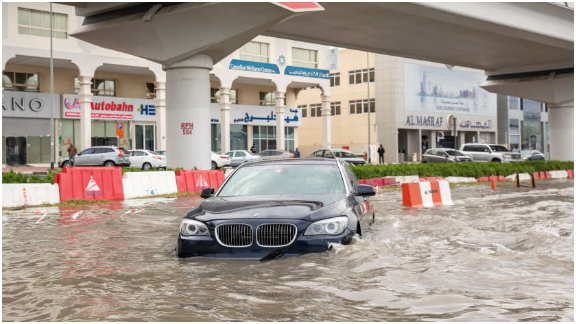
[146,160]
[444,155]
[489,153]
[275,154]
[339,154]
[533,155]
[238,157]
[99,156]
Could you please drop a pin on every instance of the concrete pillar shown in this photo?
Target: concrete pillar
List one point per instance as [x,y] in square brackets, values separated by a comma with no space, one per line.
[326,125]
[225,118]
[188,122]
[250,131]
[419,144]
[85,112]
[160,115]
[280,112]
[561,122]
[433,138]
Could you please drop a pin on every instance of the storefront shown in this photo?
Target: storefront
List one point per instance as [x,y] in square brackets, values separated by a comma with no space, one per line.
[125,122]
[26,127]
[255,124]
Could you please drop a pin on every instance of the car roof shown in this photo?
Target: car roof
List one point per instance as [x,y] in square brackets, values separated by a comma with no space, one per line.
[290,161]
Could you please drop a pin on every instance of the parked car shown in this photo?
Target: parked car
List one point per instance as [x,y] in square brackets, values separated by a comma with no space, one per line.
[533,155]
[340,154]
[444,155]
[489,153]
[160,152]
[99,156]
[238,157]
[275,155]
[146,159]
[268,209]
[219,160]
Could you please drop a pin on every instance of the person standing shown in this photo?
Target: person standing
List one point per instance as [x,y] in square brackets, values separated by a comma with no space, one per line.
[253,149]
[296,154]
[381,151]
[72,151]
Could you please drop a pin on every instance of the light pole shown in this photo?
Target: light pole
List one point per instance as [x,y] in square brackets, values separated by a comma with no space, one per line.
[369,125]
[51,94]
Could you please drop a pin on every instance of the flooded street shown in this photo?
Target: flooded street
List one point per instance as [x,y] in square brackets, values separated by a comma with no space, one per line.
[507,256]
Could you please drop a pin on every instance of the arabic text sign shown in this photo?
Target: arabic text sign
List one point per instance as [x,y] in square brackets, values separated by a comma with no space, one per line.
[76,114]
[250,66]
[257,115]
[307,72]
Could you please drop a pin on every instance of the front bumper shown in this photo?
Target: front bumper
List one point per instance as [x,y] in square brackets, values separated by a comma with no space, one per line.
[209,245]
[512,160]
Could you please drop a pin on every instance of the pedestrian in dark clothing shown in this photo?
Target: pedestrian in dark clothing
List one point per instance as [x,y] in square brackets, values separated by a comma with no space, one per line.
[381,151]
[296,154]
[253,149]
[72,151]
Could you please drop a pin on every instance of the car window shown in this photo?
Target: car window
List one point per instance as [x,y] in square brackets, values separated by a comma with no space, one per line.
[430,152]
[86,151]
[346,154]
[265,153]
[318,153]
[328,154]
[284,180]
[499,148]
[351,177]
[229,153]
[140,153]
[239,154]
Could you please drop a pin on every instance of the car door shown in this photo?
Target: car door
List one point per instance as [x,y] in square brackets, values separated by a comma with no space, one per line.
[136,159]
[83,158]
[240,157]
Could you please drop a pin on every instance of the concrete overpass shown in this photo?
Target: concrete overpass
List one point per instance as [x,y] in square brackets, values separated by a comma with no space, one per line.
[526,49]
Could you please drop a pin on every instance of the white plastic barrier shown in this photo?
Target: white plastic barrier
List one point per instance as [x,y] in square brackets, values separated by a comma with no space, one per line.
[151,183]
[523,177]
[460,179]
[29,194]
[408,179]
[561,174]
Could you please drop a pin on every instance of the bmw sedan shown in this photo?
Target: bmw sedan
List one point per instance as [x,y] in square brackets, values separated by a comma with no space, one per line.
[276,208]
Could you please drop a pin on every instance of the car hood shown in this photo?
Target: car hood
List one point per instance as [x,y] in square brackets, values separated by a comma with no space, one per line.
[309,208]
[352,159]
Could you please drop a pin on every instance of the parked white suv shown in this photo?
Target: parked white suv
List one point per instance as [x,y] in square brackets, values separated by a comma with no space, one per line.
[489,153]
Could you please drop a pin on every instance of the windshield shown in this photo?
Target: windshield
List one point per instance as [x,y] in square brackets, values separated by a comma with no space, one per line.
[285,180]
[499,148]
[343,154]
[452,153]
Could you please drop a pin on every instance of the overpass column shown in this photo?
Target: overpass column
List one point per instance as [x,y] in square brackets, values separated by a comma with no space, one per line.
[225,118]
[326,125]
[85,112]
[188,113]
[561,121]
[160,115]
[280,110]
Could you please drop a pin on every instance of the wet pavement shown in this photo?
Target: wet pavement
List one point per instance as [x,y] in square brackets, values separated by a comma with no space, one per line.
[503,256]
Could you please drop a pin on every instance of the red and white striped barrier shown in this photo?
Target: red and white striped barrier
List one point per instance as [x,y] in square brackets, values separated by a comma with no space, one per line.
[426,194]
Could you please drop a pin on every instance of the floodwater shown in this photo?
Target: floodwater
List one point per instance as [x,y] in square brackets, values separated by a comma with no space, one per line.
[507,256]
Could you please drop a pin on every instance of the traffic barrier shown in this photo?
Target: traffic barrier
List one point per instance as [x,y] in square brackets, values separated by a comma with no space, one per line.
[522,176]
[390,181]
[460,179]
[426,194]
[560,174]
[362,181]
[29,194]
[536,175]
[483,179]
[408,179]
[85,183]
[429,179]
[570,174]
[142,184]
[196,180]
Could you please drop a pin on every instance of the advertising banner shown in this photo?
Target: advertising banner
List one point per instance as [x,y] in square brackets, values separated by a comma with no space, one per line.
[306,72]
[257,115]
[29,104]
[254,66]
[111,108]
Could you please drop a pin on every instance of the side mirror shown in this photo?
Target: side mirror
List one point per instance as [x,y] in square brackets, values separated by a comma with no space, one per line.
[365,190]
[207,193]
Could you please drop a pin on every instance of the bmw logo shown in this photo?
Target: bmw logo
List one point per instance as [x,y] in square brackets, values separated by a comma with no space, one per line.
[256,215]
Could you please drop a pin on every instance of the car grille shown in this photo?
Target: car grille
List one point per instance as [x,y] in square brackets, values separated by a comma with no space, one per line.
[234,235]
[275,235]
[516,156]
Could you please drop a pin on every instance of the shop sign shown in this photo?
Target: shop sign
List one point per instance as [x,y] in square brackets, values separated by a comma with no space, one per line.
[28,104]
[250,66]
[112,108]
[257,115]
[476,124]
[307,72]
[187,128]
[120,130]
[431,121]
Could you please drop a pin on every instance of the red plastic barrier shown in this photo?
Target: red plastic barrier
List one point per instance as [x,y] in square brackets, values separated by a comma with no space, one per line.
[484,179]
[548,175]
[536,175]
[501,178]
[389,181]
[196,180]
[570,174]
[362,181]
[98,183]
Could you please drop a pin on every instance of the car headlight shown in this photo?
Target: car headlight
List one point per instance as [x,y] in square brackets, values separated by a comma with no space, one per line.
[330,226]
[190,227]
[507,156]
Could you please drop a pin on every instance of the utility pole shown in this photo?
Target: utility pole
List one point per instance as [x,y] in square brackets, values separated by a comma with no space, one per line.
[369,125]
[51,93]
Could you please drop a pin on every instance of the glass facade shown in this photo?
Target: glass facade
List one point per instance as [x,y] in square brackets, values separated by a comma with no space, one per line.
[264,137]
[531,126]
[216,138]
[145,137]
[238,137]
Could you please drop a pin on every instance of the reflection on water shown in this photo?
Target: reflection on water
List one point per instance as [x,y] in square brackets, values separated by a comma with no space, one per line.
[502,257]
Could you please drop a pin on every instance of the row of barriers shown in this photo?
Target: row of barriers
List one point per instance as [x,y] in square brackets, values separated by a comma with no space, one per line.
[107,183]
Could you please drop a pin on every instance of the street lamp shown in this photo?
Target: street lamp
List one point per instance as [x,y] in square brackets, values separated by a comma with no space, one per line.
[369,125]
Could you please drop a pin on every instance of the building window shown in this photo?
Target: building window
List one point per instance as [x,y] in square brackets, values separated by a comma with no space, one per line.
[304,110]
[267,99]
[360,76]
[37,23]
[289,139]
[264,137]
[255,51]
[99,87]
[304,58]
[334,79]
[215,96]
[316,110]
[150,90]
[16,81]
[513,103]
[361,106]
[335,108]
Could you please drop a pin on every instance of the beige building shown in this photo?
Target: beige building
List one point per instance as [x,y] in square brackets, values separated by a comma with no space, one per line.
[411,102]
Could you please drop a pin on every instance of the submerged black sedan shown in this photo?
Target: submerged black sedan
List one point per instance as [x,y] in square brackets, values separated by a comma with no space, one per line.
[273,208]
